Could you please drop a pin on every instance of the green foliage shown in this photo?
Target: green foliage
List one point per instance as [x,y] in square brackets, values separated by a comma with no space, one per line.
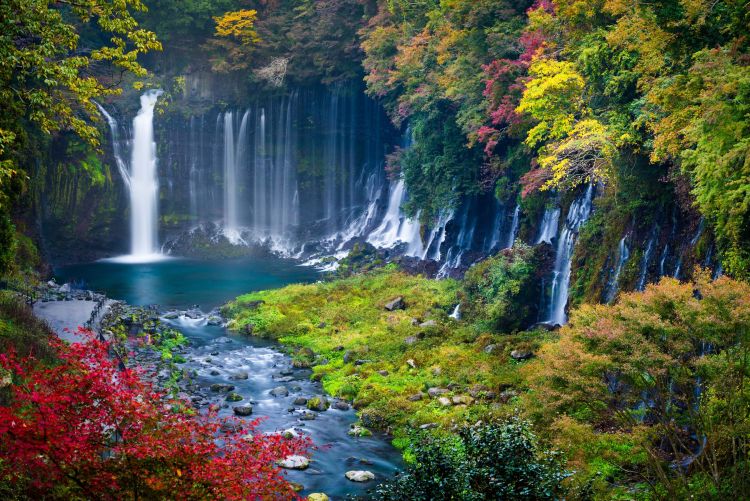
[346,319]
[503,289]
[21,331]
[7,242]
[46,79]
[501,460]
[658,365]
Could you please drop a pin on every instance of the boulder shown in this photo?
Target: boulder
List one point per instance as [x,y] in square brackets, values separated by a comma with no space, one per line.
[521,354]
[300,401]
[280,391]
[415,397]
[428,426]
[234,397]
[445,401]
[395,304]
[305,353]
[239,376]
[411,363]
[317,496]
[359,431]
[289,433]
[383,373]
[506,395]
[411,340]
[295,462]
[341,405]
[243,410]
[436,392]
[348,356]
[319,404]
[254,305]
[359,475]
[491,348]
[219,387]
[462,400]
[308,416]
[428,324]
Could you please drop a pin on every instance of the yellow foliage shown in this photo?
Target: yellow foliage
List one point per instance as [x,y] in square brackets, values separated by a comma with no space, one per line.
[238,24]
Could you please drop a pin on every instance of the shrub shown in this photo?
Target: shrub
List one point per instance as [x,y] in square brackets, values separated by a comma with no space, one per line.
[500,460]
[503,290]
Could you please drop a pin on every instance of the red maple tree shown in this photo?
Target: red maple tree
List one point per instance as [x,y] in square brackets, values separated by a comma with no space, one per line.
[81,428]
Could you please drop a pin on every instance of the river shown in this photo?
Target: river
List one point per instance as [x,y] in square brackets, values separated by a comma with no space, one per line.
[216,354]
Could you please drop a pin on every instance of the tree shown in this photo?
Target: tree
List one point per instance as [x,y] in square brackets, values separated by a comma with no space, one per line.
[80,428]
[48,77]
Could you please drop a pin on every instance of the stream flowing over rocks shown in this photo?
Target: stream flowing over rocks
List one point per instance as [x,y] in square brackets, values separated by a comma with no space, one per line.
[220,367]
[246,377]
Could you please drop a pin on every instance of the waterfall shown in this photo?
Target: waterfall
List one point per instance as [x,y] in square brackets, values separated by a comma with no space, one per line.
[144,186]
[548,227]
[513,227]
[395,227]
[122,167]
[663,260]
[437,236]
[578,213]
[647,254]
[623,254]
[456,314]
[234,160]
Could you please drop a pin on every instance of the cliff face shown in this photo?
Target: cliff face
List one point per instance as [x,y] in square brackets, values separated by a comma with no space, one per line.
[80,203]
[303,171]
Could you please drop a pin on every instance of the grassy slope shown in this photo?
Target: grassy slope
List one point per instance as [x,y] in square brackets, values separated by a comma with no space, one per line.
[348,315]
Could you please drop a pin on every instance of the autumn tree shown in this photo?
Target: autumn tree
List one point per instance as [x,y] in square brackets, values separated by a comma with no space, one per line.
[81,428]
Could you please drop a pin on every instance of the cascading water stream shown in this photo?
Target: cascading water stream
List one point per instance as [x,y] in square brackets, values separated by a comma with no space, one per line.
[578,214]
[623,254]
[548,227]
[646,260]
[144,186]
[122,166]
[234,159]
[513,227]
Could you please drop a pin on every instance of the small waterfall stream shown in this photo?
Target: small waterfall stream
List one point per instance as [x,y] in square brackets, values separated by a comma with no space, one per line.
[579,212]
[548,227]
[623,254]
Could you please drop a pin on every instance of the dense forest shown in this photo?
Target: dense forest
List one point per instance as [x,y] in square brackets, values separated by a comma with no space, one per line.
[451,249]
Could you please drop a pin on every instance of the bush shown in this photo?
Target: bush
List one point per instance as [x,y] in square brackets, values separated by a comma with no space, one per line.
[487,461]
[503,290]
